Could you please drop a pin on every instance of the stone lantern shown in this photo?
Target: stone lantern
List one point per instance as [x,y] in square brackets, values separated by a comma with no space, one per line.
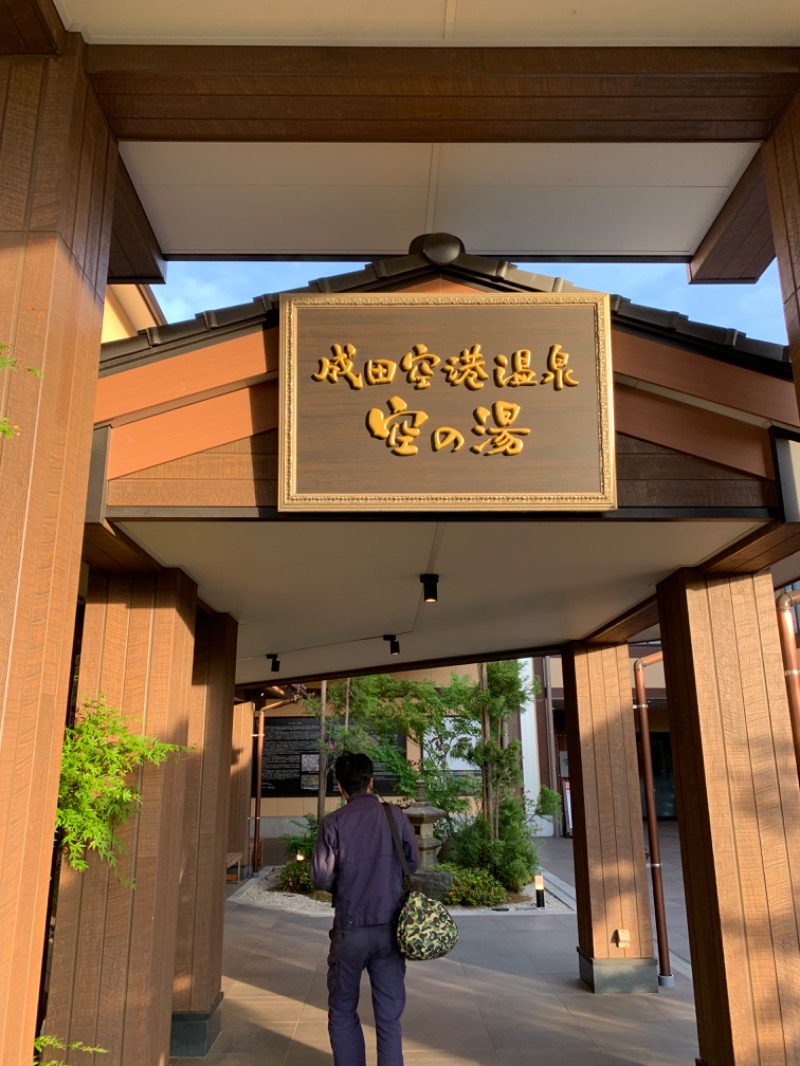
[422,816]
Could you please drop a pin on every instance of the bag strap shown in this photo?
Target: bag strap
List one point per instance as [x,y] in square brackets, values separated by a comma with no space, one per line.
[396,838]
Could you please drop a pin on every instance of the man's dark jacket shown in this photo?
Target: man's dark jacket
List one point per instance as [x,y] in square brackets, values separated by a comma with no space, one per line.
[355,860]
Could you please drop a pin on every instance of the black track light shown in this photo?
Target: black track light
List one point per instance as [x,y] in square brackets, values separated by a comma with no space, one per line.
[394,643]
[430,587]
[276,663]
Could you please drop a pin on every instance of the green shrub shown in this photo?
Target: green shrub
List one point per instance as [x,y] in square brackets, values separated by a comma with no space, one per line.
[302,843]
[512,859]
[295,877]
[547,804]
[516,859]
[473,888]
[470,845]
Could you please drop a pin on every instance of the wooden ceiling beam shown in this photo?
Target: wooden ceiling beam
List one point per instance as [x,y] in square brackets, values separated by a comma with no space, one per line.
[135,256]
[30,27]
[628,625]
[286,93]
[738,246]
[347,62]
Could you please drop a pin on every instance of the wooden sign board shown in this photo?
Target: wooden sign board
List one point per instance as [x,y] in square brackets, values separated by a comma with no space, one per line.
[481,402]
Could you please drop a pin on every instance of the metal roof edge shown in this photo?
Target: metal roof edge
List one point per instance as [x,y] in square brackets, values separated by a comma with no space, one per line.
[443,256]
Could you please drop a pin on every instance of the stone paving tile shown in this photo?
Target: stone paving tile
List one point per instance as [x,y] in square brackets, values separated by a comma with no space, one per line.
[509,995]
[554,1057]
[570,1043]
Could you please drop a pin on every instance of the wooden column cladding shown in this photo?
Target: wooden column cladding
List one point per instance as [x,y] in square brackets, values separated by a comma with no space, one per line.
[241,771]
[57,167]
[781,155]
[114,952]
[198,957]
[738,813]
[610,873]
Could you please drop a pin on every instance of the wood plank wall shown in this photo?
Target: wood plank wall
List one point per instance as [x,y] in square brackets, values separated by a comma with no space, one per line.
[739,813]
[241,771]
[610,874]
[57,169]
[198,954]
[244,474]
[781,155]
[114,950]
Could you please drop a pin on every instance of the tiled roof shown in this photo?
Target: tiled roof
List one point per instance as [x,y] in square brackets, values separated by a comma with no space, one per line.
[443,255]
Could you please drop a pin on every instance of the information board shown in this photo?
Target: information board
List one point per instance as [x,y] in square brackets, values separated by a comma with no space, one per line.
[290,763]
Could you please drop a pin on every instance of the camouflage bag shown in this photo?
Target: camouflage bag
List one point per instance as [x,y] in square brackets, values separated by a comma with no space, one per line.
[425,928]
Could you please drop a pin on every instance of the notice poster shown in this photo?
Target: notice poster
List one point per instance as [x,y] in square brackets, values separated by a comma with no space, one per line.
[290,763]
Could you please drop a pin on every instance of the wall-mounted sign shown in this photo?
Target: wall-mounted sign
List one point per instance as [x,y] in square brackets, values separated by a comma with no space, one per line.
[290,760]
[430,402]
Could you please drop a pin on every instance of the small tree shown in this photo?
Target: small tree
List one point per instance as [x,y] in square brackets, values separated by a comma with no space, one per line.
[95,793]
[369,714]
[7,427]
[54,1043]
[505,694]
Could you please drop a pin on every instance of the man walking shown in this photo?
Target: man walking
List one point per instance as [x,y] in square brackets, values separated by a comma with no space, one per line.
[355,859]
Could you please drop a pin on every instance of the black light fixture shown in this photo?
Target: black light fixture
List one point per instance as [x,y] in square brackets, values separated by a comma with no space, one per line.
[430,583]
[394,643]
[276,663]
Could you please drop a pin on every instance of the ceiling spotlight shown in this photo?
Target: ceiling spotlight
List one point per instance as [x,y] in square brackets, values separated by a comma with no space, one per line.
[276,663]
[430,584]
[394,643]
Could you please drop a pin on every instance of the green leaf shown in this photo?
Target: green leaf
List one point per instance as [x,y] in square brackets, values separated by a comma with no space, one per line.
[96,795]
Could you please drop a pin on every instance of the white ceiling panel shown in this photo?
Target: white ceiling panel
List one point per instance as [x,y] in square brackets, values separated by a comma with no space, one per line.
[322,594]
[610,221]
[200,218]
[372,199]
[244,22]
[646,22]
[435,22]
[259,164]
[593,165]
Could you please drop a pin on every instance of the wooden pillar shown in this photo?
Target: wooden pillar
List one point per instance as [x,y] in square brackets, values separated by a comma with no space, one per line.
[241,790]
[197,994]
[615,939]
[739,814]
[114,951]
[781,155]
[57,169]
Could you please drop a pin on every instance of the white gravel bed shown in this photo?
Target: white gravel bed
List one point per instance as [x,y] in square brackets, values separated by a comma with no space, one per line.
[259,892]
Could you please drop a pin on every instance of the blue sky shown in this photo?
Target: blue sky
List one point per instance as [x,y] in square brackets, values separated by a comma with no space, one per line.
[753,309]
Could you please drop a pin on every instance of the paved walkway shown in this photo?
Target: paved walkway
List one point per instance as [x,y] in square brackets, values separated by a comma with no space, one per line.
[508,995]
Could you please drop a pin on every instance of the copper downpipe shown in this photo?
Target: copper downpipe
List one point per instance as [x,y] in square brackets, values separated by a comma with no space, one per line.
[665,977]
[784,604]
[255,863]
[255,856]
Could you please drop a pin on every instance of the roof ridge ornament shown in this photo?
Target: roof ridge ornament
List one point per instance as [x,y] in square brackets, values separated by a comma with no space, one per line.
[437,248]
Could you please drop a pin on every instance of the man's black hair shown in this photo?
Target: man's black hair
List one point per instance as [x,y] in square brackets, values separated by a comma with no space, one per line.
[353,771]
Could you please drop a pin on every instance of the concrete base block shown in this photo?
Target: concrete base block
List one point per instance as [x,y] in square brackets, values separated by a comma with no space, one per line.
[632,976]
[193,1032]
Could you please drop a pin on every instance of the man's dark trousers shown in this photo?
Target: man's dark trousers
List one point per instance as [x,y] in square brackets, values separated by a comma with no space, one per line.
[354,949]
